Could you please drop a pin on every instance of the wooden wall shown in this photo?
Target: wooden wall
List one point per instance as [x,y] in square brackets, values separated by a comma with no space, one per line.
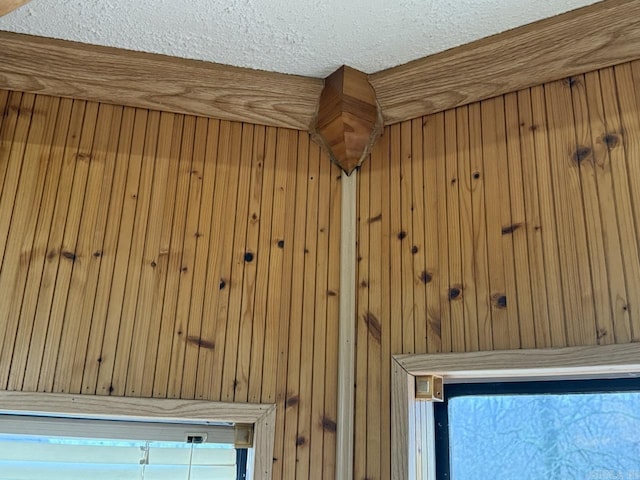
[510,223]
[153,254]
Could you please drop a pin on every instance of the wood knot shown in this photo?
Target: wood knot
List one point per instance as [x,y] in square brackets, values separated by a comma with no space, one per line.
[373,325]
[426,277]
[510,228]
[572,81]
[601,333]
[611,140]
[280,243]
[476,175]
[581,154]
[222,284]
[364,284]
[293,400]
[69,255]
[331,293]
[200,342]
[248,257]
[402,235]
[153,264]
[97,254]
[377,218]
[455,292]
[328,425]
[500,300]
[300,441]
[414,249]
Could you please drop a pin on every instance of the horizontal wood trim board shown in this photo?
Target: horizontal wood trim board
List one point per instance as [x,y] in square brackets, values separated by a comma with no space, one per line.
[604,359]
[8,6]
[122,77]
[604,34]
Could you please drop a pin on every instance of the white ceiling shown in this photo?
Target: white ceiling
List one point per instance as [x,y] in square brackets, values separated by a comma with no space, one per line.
[305,37]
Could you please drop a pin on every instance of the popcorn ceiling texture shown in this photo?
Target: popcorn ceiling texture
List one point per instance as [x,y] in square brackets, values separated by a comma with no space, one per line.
[303,37]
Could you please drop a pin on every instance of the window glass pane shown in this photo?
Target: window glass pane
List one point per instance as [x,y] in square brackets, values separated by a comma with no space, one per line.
[25,457]
[565,436]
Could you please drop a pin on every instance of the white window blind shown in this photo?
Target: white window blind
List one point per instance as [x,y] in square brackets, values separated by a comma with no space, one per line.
[39,448]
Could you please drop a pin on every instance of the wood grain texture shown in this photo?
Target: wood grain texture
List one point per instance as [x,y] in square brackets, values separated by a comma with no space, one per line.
[609,359]
[525,208]
[171,256]
[8,6]
[349,120]
[69,69]
[589,38]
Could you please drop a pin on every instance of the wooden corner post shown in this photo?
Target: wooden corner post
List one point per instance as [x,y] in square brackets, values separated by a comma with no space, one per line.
[349,119]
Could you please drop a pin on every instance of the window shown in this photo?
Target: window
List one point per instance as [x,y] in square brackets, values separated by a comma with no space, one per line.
[587,429]
[55,436]
[53,448]
[413,429]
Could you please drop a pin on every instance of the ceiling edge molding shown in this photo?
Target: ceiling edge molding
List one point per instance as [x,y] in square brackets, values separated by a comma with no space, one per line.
[103,74]
[583,40]
[8,6]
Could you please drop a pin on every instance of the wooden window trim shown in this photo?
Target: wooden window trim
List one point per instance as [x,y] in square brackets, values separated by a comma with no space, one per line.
[412,429]
[261,416]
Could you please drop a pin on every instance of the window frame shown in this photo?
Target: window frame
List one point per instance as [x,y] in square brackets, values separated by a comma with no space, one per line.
[157,410]
[412,421]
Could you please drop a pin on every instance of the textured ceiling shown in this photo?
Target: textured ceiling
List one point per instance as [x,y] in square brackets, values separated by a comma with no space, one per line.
[305,37]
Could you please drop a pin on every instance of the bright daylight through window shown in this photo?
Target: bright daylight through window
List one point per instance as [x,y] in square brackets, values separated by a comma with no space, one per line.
[46,448]
[586,429]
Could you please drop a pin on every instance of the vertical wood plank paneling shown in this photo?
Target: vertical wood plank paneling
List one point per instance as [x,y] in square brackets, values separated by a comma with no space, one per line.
[533,226]
[317,441]
[264,270]
[529,208]
[465,181]
[628,99]
[480,269]
[20,256]
[364,319]
[308,249]
[330,410]
[241,258]
[518,224]
[217,266]
[107,254]
[614,141]
[27,321]
[125,237]
[175,269]
[58,329]
[599,244]
[75,326]
[418,245]
[455,288]
[247,310]
[555,296]
[172,256]
[567,189]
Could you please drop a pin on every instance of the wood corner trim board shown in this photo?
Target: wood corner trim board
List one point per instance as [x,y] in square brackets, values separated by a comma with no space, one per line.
[593,37]
[349,119]
[8,6]
[157,82]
